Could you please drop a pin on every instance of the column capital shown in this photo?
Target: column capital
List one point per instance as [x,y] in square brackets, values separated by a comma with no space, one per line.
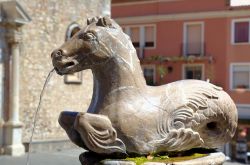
[13,124]
[13,37]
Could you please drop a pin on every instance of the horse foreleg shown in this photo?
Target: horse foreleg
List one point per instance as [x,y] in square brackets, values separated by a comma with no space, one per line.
[66,121]
[98,134]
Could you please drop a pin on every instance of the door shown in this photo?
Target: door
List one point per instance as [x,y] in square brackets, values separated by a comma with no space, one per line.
[193,72]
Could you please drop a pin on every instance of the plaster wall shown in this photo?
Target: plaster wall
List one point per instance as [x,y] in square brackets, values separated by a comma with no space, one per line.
[166,7]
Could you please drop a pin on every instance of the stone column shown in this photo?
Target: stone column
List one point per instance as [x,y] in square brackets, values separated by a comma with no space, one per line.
[13,127]
[1,134]
[1,92]
[1,103]
[106,8]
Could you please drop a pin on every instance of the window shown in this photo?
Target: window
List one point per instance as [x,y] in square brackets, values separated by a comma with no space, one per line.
[240,31]
[240,2]
[142,36]
[240,76]
[149,74]
[194,71]
[149,36]
[135,36]
[75,78]
[193,39]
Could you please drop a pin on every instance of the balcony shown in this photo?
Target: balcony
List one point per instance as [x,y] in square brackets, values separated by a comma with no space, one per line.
[197,52]
[193,49]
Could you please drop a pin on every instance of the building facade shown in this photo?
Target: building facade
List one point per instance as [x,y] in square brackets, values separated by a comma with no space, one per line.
[29,32]
[192,39]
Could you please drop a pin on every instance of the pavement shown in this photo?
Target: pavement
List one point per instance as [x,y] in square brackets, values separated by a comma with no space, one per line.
[233,163]
[64,157]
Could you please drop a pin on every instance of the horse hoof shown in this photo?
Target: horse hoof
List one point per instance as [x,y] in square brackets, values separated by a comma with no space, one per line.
[89,158]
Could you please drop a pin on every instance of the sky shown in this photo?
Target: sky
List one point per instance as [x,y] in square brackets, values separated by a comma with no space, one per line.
[240,2]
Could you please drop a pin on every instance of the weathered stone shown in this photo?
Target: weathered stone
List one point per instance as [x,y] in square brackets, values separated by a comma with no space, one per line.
[117,162]
[126,115]
[212,159]
[153,163]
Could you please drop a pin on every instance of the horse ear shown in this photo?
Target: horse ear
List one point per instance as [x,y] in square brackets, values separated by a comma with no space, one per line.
[105,22]
[91,20]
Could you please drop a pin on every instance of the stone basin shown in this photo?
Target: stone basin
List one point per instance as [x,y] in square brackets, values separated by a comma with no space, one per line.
[216,158]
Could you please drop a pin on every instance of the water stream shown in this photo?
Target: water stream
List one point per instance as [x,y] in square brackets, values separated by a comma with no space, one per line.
[36,113]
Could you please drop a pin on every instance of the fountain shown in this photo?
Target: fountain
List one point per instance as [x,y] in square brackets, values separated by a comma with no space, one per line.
[127,118]
[36,113]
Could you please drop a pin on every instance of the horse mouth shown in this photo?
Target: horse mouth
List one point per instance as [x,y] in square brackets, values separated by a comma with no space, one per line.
[57,71]
[66,67]
[69,64]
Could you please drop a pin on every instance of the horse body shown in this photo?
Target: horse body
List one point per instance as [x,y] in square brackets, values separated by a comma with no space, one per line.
[126,115]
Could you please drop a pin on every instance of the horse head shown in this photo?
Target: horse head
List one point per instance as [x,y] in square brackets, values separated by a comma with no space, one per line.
[92,46]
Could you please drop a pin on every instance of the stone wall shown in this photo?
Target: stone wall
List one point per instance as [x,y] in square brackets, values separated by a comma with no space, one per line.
[46,31]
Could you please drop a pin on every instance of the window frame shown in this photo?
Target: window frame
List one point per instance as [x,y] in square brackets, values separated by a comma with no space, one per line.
[142,40]
[231,75]
[233,30]
[185,28]
[154,36]
[243,111]
[129,31]
[184,66]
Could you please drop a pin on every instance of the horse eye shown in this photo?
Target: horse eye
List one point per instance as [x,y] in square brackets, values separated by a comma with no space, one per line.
[88,36]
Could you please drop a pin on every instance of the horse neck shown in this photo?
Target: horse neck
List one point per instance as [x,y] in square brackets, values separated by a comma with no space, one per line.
[119,73]
[115,75]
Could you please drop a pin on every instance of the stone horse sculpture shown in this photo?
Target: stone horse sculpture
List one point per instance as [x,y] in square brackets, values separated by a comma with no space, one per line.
[126,115]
